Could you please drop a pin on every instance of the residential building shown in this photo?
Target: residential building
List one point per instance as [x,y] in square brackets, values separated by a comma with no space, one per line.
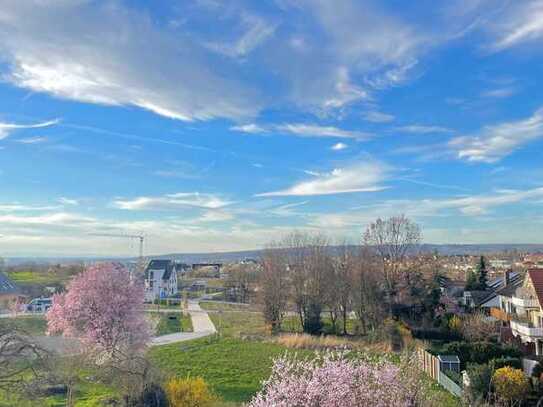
[160,279]
[9,292]
[520,307]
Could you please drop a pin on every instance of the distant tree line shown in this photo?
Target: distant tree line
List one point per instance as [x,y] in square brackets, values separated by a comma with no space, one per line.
[308,274]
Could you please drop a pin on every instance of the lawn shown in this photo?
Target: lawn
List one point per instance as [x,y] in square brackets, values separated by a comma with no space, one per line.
[237,324]
[233,367]
[221,306]
[173,322]
[31,324]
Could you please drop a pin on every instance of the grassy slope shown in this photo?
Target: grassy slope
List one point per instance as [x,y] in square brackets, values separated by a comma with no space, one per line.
[173,322]
[234,368]
[32,325]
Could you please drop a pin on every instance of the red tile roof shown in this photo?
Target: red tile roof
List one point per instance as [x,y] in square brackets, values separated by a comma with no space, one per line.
[536,275]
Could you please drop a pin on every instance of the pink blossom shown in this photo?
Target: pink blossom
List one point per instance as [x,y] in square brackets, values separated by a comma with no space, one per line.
[337,381]
[103,308]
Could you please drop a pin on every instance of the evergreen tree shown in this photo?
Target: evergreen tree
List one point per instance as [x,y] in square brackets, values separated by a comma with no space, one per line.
[471,282]
[482,274]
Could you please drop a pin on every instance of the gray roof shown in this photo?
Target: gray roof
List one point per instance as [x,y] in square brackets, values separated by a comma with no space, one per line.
[165,265]
[7,286]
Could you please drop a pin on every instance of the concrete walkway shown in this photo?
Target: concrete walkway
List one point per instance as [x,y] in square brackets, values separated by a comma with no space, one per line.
[201,325]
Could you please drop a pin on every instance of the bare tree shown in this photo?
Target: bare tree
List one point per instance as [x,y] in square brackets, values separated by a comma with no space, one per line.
[241,280]
[21,360]
[274,287]
[392,239]
[341,284]
[309,265]
[367,290]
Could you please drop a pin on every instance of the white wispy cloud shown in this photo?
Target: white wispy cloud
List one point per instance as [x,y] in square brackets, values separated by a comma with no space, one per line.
[33,140]
[500,93]
[312,130]
[68,201]
[493,142]
[251,128]
[18,207]
[521,22]
[422,129]
[180,174]
[60,219]
[378,117]
[302,130]
[7,128]
[360,177]
[470,206]
[172,202]
[257,30]
[98,53]
[339,146]
[344,52]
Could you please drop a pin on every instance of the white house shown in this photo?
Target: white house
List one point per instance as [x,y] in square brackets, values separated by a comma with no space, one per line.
[160,279]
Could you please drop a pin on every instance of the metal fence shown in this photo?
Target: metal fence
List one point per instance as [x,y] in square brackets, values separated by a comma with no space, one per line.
[447,382]
[430,364]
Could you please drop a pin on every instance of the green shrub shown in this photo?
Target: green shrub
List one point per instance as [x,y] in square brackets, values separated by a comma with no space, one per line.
[190,392]
[480,377]
[454,376]
[476,352]
[498,363]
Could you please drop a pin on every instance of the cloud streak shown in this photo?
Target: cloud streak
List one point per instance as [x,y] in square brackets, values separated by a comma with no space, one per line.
[97,53]
[172,202]
[361,177]
[7,128]
[494,142]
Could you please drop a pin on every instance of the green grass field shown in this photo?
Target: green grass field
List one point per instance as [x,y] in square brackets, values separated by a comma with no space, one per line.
[30,324]
[215,306]
[236,324]
[173,322]
[234,368]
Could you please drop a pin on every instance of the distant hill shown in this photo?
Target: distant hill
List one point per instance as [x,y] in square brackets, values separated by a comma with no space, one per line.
[226,257]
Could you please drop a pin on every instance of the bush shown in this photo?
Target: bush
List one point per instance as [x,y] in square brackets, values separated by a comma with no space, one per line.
[189,392]
[335,380]
[152,396]
[537,371]
[498,363]
[479,377]
[476,352]
[435,334]
[454,376]
[510,384]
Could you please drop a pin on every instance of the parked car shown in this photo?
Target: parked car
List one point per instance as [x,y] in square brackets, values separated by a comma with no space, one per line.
[39,305]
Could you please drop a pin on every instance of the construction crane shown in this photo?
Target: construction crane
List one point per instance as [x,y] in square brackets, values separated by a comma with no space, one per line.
[140,237]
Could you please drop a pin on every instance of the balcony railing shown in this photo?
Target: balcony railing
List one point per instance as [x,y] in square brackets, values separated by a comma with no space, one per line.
[525,303]
[499,314]
[526,329]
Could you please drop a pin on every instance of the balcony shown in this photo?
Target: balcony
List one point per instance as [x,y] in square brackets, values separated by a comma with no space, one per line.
[526,329]
[499,314]
[525,303]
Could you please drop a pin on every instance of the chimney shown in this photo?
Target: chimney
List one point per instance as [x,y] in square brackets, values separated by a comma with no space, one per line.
[507,278]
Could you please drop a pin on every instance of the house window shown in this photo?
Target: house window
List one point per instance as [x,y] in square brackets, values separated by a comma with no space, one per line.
[151,275]
[151,283]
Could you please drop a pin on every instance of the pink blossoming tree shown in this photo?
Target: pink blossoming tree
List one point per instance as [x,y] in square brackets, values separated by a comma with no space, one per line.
[336,381]
[103,308]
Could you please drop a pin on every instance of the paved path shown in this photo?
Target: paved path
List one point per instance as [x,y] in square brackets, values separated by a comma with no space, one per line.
[201,325]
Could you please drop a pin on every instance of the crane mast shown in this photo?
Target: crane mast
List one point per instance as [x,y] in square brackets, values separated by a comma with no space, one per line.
[140,237]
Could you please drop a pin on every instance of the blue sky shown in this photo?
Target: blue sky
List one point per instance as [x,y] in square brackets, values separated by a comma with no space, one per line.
[220,125]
